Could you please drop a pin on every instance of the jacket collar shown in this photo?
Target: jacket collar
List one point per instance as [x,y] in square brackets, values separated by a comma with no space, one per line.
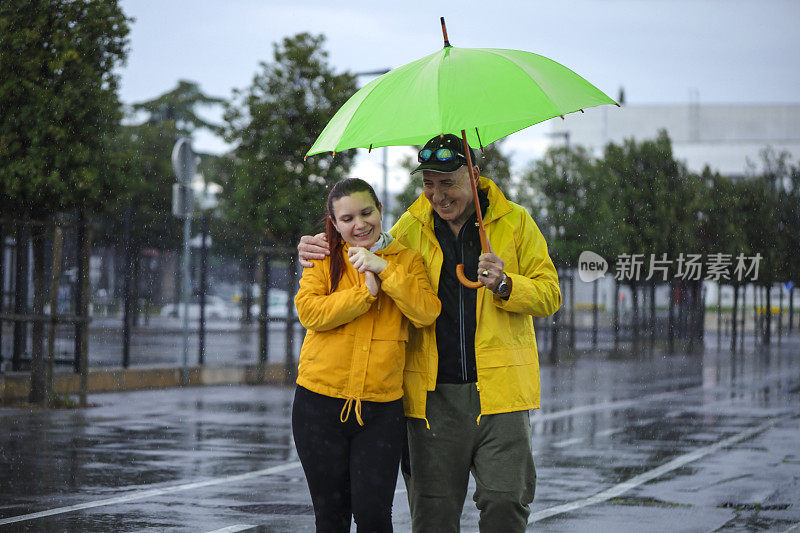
[498,204]
[392,248]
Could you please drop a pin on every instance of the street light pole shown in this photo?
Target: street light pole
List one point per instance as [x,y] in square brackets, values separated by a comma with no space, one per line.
[205,193]
[201,355]
[186,286]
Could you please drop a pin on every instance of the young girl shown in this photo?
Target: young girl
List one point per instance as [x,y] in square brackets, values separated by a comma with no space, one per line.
[347,418]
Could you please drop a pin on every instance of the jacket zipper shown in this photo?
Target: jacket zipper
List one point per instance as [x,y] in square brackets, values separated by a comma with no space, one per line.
[462,333]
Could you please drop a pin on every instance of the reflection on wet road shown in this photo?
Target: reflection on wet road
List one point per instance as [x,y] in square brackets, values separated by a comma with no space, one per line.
[665,443]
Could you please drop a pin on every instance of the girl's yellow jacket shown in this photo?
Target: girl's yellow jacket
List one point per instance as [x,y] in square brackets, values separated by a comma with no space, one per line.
[505,344]
[356,343]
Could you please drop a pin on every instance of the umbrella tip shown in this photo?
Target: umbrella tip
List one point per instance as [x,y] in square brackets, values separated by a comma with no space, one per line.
[562,117]
[370,148]
[444,33]
[306,157]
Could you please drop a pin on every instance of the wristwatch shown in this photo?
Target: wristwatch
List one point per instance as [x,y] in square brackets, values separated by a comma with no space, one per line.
[503,289]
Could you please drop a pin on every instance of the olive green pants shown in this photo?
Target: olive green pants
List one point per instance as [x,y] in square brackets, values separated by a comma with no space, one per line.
[497,451]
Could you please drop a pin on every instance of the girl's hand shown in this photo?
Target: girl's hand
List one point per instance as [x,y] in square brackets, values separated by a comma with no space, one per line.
[373,282]
[363,260]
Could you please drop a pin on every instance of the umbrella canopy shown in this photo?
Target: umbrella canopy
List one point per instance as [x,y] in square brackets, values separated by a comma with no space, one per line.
[487,92]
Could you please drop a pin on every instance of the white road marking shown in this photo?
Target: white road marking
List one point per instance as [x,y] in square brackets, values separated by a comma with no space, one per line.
[608,432]
[233,529]
[635,481]
[140,495]
[537,416]
[568,442]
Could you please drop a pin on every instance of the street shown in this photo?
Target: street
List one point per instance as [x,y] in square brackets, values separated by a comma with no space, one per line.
[665,443]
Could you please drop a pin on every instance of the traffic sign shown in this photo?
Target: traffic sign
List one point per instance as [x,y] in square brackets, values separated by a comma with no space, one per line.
[183,160]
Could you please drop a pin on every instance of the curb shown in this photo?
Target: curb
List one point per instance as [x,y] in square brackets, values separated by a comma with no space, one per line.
[15,386]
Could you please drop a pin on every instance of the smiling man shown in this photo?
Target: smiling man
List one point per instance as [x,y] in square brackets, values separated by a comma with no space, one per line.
[470,379]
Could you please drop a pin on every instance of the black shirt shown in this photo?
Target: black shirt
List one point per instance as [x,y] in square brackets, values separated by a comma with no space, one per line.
[455,327]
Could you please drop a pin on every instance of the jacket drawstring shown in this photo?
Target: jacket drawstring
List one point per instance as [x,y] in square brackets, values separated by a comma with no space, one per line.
[478,421]
[348,405]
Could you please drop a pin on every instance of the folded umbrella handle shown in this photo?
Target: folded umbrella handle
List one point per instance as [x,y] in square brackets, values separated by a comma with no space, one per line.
[465,281]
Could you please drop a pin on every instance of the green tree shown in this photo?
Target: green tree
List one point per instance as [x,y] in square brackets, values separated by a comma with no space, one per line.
[274,122]
[179,105]
[719,228]
[58,91]
[770,224]
[144,160]
[656,203]
[570,198]
[789,217]
[143,153]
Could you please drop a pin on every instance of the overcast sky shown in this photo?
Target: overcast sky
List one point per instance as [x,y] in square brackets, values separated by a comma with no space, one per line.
[731,51]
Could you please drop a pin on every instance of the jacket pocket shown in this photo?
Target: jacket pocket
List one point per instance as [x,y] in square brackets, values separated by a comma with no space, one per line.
[507,356]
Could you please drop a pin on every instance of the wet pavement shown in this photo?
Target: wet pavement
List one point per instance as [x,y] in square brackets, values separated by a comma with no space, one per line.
[709,442]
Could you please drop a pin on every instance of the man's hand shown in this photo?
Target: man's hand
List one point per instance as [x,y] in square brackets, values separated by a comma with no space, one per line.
[365,261]
[373,282]
[312,247]
[490,270]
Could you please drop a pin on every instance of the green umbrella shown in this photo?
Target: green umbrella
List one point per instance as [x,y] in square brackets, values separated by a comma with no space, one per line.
[483,93]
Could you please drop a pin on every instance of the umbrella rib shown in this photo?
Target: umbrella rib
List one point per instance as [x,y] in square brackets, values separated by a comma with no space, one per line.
[522,67]
[529,75]
[355,111]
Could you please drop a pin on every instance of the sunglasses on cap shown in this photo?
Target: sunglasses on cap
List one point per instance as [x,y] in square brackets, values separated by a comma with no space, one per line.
[442,154]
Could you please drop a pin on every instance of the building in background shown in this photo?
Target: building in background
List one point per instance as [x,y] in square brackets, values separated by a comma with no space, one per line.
[723,136]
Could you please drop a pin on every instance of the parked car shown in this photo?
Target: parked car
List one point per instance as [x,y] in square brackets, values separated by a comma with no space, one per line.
[278,301]
[216,309]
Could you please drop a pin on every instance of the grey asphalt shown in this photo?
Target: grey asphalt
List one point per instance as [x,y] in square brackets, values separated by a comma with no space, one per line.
[670,443]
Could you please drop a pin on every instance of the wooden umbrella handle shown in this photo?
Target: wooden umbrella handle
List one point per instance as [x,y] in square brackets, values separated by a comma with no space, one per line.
[465,281]
[485,246]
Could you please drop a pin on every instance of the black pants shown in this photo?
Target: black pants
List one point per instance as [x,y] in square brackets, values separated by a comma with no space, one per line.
[350,469]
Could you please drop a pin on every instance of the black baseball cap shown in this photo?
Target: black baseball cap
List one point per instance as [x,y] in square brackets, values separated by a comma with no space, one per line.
[430,158]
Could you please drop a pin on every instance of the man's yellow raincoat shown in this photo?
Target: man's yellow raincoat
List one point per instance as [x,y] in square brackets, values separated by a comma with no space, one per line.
[505,345]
